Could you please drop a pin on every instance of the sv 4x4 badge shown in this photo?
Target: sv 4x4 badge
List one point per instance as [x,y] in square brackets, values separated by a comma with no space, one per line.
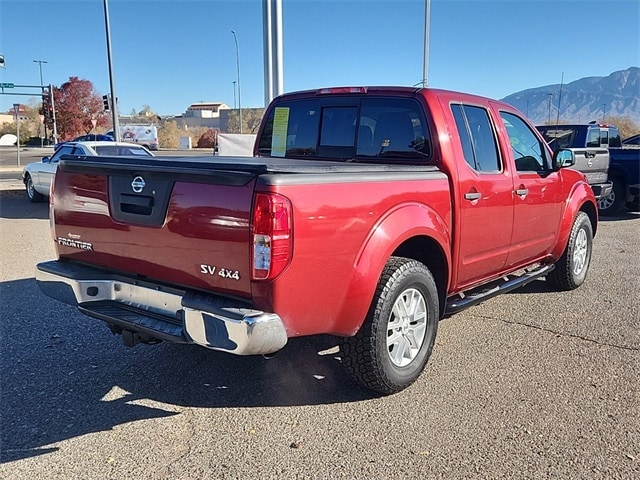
[222,272]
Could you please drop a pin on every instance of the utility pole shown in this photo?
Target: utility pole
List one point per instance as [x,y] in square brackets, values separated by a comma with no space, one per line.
[40,62]
[114,99]
[238,67]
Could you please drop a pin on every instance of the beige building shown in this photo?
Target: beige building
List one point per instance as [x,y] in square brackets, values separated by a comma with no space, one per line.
[202,115]
[211,115]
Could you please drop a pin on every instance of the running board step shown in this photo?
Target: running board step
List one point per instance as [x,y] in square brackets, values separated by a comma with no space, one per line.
[505,284]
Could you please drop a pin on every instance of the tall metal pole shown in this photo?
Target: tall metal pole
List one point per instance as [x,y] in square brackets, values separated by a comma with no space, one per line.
[267,41]
[234,94]
[44,124]
[114,101]
[53,115]
[278,80]
[427,22]
[238,66]
[16,110]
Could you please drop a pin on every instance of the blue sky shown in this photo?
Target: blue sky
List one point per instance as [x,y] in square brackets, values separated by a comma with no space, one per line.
[168,54]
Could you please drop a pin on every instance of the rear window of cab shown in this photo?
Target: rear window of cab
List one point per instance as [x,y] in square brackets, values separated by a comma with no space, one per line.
[364,129]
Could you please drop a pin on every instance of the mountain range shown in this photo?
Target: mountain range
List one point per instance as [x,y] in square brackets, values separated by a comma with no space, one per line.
[583,100]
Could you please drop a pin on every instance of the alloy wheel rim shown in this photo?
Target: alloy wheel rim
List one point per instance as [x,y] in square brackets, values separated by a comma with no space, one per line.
[407,327]
[580,252]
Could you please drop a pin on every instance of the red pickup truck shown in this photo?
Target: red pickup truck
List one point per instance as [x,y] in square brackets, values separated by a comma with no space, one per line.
[366,213]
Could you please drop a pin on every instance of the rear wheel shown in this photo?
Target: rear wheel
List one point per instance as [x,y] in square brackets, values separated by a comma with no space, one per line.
[612,203]
[394,343]
[33,195]
[571,269]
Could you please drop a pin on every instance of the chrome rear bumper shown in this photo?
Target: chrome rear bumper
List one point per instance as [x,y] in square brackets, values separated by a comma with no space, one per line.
[162,312]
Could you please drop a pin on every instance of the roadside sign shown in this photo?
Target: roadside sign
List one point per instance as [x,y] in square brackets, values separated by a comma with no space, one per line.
[6,85]
[16,109]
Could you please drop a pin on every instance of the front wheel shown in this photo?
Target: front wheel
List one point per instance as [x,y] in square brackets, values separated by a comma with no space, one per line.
[32,194]
[395,341]
[571,269]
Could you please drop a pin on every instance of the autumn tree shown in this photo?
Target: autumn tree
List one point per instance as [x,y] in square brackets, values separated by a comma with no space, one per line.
[626,125]
[76,104]
[208,139]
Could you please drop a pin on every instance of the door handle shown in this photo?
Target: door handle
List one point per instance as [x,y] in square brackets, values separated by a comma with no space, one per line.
[472,196]
[522,192]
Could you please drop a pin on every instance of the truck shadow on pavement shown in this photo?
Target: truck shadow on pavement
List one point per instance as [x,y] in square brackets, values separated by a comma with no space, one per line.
[64,375]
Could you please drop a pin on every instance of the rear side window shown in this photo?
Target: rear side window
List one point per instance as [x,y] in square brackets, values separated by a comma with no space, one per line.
[593,137]
[559,137]
[477,138]
[365,129]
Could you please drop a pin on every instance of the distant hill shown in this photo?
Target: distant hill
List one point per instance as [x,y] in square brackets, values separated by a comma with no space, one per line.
[583,100]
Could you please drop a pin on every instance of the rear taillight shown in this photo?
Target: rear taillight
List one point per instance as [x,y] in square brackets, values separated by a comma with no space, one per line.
[272,235]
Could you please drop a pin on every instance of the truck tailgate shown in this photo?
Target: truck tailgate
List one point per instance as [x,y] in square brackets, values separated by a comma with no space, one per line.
[172,221]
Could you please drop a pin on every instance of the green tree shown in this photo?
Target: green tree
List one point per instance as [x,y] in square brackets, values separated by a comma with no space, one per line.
[76,104]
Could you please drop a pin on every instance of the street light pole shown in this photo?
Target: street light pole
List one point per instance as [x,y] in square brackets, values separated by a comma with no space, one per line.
[40,62]
[234,94]
[238,67]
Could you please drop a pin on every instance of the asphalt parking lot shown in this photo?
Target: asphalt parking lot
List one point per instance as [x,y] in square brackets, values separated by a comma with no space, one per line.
[532,384]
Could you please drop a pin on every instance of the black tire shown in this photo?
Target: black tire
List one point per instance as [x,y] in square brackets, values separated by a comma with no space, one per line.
[571,270]
[32,194]
[390,352]
[612,204]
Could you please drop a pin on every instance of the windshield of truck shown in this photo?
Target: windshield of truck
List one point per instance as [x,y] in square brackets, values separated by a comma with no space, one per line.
[559,137]
[370,129]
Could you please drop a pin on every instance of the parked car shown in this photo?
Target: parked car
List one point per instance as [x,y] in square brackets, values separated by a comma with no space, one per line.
[37,176]
[91,137]
[631,142]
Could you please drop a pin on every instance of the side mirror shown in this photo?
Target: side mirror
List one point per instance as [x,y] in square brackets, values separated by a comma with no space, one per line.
[563,158]
[46,160]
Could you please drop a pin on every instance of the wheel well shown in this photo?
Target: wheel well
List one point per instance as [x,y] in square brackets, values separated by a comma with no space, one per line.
[427,251]
[590,210]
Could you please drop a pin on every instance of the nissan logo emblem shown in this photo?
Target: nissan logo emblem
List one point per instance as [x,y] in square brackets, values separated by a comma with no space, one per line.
[138,184]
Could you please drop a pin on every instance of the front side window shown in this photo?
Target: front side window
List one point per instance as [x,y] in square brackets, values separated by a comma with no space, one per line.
[477,137]
[365,129]
[528,152]
[614,138]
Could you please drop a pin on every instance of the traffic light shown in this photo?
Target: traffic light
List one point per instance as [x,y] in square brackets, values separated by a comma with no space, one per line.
[2,65]
[105,102]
